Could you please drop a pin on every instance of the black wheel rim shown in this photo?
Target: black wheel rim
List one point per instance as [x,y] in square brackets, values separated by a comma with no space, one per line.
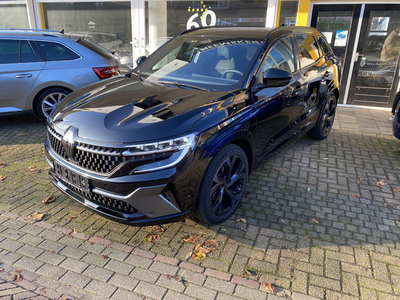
[228,186]
[329,116]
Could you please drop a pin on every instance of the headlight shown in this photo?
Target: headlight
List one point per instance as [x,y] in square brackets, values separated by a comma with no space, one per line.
[159,155]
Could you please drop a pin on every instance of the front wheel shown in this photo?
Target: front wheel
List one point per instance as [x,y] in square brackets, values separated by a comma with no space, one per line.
[223,185]
[325,122]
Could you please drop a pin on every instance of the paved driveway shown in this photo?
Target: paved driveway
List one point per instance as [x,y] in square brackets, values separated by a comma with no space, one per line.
[320,219]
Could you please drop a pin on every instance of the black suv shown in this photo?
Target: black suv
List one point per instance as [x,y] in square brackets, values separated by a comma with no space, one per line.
[181,133]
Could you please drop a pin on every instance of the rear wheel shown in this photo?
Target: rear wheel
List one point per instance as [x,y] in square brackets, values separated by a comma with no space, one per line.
[48,100]
[324,125]
[223,185]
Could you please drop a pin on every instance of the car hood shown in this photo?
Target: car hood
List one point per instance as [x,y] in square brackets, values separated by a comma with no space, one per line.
[127,110]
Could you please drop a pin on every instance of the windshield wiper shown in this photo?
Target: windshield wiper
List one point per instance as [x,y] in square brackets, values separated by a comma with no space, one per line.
[184,85]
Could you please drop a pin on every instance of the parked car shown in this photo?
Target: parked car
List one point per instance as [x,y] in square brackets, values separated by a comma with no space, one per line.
[38,68]
[182,132]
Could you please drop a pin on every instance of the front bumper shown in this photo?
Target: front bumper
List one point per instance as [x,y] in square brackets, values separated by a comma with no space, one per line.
[138,200]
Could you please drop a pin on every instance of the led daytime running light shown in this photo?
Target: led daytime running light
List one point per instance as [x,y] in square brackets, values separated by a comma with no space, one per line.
[163,146]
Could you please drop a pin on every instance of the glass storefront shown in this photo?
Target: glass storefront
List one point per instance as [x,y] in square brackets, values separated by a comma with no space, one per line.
[165,19]
[288,13]
[105,23]
[13,16]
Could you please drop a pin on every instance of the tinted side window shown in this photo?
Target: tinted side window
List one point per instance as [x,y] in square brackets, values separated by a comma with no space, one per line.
[280,56]
[308,50]
[55,51]
[324,45]
[9,52]
[27,54]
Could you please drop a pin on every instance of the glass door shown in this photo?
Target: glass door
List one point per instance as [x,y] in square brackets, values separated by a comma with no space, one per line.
[374,80]
[339,24]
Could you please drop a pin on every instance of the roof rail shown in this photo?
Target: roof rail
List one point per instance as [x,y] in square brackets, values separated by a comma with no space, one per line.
[33,30]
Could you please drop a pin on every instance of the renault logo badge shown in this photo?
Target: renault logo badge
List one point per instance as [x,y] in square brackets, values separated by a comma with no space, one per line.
[69,142]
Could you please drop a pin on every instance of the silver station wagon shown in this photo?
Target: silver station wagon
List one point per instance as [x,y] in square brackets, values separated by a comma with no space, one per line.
[38,68]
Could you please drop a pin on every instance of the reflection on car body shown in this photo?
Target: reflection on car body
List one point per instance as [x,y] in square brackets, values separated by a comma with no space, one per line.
[182,132]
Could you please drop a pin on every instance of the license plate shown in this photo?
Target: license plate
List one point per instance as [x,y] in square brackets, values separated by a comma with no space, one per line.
[76,180]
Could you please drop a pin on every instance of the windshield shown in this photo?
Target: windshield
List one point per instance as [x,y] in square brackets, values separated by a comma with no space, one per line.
[214,63]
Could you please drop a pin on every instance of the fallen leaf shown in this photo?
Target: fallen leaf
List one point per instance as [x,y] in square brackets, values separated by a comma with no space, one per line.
[242,220]
[177,278]
[389,207]
[315,221]
[49,199]
[71,233]
[2,177]
[104,256]
[2,165]
[396,189]
[153,237]
[300,164]
[382,183]
[71,218]
[16,276]
[208,246]
[23,134]
[322,212]
[250,272]
[36,216]
[282,221]
[269,287]
[192,239]
[198,255]
[353,196]
[157,228]
[280,171]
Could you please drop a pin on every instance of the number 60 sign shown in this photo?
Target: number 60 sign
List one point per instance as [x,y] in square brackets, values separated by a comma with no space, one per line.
[191,23]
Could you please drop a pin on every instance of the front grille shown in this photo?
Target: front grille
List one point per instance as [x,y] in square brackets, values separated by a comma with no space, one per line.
[94,158]
[106,202]
[103,160]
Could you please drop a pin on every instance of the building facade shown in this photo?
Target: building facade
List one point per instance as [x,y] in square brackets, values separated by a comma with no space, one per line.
[359,32]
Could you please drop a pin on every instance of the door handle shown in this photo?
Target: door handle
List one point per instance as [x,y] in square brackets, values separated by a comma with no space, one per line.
[23,75]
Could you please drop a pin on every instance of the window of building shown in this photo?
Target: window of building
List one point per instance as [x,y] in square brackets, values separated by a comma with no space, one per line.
[166,19]
[288,13]
[13,16]
[108,24]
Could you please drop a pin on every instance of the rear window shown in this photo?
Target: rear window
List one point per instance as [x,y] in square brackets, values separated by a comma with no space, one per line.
[95,48]
[55,51]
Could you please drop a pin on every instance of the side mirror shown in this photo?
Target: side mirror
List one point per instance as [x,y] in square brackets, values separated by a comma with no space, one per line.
[140,60]
[276,78]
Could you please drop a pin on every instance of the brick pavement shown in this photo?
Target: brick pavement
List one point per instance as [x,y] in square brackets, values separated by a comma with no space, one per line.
[319,220]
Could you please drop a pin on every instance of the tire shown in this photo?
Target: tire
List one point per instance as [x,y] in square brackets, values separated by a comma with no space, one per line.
[325,122]
[223,185]
[48,99]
